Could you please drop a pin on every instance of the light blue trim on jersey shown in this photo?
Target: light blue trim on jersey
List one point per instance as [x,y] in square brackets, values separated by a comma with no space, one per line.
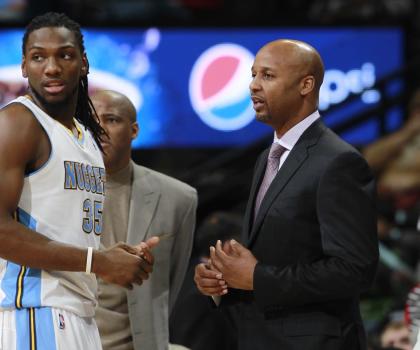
[31,296]
[22,329]
[44,324]
[30,291]
[26,219]
[9,285]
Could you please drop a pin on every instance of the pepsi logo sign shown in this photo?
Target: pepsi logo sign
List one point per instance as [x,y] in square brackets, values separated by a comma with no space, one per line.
[219,87]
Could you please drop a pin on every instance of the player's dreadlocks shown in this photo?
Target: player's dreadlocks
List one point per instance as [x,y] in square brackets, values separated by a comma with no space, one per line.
[85,112]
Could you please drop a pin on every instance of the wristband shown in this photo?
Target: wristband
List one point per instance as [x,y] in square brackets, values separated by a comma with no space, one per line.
[89,260]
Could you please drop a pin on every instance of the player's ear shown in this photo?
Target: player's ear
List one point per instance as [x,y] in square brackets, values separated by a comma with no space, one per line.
[23,67]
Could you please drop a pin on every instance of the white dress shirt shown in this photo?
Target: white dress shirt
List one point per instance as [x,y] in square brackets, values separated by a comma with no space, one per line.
[289,139]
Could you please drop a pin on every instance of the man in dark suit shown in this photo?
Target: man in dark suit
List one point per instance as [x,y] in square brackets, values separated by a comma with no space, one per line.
[309,239]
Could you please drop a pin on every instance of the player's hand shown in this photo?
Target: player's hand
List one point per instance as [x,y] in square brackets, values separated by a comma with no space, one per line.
[121,265]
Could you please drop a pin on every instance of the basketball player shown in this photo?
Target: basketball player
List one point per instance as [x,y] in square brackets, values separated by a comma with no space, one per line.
[52,191]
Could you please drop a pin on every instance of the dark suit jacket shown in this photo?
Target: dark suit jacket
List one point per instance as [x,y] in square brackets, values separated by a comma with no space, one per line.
[196,323]
[315,241]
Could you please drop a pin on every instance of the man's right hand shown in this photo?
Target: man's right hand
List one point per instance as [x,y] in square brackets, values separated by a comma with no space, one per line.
[209,282]
[123,264]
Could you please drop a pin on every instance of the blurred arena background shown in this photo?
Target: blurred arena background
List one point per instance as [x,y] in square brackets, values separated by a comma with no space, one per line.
[186,67]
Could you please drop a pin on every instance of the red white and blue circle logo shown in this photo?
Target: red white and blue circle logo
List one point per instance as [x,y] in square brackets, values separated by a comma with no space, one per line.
[219,87]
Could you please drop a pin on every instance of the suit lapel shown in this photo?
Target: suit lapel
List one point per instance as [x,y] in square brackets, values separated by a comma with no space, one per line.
[294,161]
[145,196]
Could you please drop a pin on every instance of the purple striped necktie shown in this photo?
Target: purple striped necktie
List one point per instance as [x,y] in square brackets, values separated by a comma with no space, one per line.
[273,162]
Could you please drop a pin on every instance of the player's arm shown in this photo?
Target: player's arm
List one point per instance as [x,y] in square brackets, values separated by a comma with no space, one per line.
[24,147]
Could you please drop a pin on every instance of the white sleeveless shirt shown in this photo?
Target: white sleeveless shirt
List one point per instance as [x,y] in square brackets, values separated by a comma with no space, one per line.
[62,200]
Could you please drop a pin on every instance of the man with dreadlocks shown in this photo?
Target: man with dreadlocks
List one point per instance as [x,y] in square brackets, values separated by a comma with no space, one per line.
[52,190]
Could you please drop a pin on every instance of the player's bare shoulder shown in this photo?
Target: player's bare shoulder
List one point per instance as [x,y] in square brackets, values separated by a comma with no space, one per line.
[21,136]
[18,118]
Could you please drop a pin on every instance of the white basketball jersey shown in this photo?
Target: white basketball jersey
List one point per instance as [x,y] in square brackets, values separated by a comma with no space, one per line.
[63,201]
